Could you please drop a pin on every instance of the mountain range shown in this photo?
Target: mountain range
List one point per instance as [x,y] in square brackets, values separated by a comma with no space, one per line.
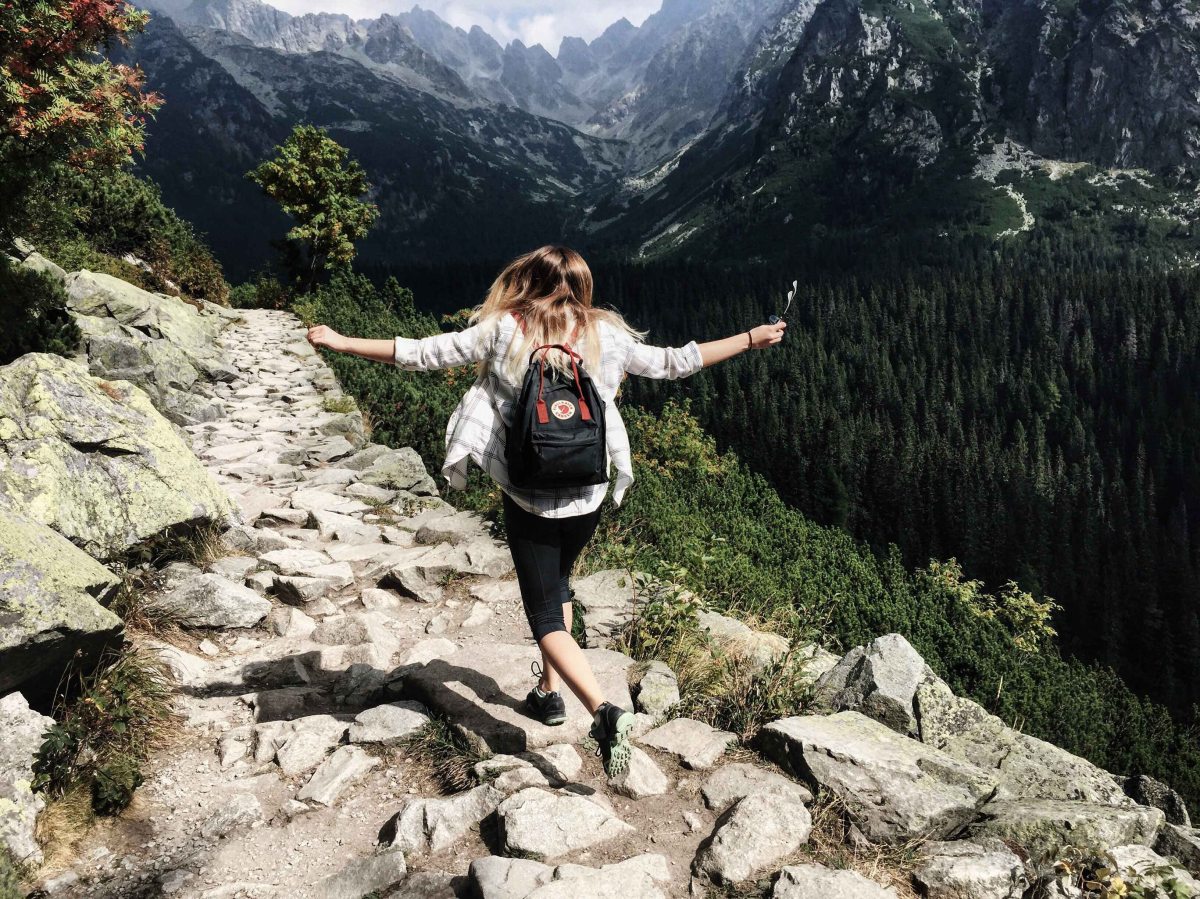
[715,127]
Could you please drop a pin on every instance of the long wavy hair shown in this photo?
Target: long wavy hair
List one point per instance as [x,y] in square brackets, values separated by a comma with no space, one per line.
[550,289]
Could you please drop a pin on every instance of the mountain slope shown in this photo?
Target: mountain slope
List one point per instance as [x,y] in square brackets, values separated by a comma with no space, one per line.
[450,182]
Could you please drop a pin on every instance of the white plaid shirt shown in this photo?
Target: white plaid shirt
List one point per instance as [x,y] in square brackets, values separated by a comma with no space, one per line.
[476,430]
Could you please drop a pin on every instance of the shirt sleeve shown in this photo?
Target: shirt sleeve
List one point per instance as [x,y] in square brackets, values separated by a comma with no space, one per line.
[663,362]
[447,350]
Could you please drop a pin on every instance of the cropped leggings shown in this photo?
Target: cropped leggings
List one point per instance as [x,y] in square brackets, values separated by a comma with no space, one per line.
[543,551]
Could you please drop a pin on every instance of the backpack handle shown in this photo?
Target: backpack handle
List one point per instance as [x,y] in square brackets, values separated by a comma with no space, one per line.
[543,417]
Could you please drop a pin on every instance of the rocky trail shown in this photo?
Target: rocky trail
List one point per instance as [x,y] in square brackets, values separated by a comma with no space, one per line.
[346,616]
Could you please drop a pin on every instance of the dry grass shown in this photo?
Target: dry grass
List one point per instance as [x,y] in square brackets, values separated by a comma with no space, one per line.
[449,757]
[63,824]
[828,844]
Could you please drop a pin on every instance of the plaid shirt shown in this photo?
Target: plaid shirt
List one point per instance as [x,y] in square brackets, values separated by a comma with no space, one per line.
[476,430]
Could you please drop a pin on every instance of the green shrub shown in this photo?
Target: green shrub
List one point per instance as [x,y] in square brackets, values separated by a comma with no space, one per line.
[33,309]
[10,876]
[107,722]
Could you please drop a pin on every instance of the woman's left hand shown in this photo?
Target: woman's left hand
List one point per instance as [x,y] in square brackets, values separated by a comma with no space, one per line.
[325,336]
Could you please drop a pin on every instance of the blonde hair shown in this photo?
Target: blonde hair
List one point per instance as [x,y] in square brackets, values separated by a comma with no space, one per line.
[550,290]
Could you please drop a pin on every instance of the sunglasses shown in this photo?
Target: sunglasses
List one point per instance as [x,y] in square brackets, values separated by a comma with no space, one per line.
[776,319]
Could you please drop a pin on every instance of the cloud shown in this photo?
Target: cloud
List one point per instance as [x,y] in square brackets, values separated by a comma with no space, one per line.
[542,22]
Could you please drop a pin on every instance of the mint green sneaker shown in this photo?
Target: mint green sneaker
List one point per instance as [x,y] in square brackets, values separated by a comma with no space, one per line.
[610,729]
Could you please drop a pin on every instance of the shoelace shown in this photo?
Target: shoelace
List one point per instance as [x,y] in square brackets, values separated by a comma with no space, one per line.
[536,668]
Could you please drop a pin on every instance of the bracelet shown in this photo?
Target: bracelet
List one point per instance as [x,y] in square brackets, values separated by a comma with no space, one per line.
[749,341]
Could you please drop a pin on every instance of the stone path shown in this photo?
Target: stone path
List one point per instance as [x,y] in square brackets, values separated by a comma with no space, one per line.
[353,599]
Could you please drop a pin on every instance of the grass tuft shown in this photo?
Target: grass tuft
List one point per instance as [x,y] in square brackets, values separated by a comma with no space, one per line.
[449,755]
[107,722]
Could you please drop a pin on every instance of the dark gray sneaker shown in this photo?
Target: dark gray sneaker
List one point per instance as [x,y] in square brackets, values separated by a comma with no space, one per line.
[610,729]
[547,708]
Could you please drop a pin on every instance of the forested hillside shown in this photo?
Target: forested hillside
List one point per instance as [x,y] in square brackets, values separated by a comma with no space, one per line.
[1031,414]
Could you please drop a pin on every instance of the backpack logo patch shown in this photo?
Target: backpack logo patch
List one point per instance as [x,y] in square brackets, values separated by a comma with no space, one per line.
[562,409]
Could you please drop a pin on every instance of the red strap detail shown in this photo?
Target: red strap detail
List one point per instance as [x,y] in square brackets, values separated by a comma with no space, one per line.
[543,418]
[584,412]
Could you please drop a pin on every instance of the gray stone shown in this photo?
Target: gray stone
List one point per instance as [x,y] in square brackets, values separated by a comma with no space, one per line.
[429,825]
[479,615]
[318,500]
[737,639]
[94,460]
[894,788]
[23,729]
[424,651]
[641,778]
[294,561]
[481,688]
[240,811]
[300,590]
[209,600]
[48,604]
[658,690]
[364,876]
[359,627]
[1182,843]
[819,882]
[606,600]
[288,622]
[305,742]
[969,869]
[389,724]
[553,766]
[345,528]
[233,568]
[496,877]
[694,743]
[363,459]
[635,877]
[731,783]
[336,773]
[879,680]
[1025,767]
[394,469]
[538,824]
[375,599]
[1137,861]
[1145,790]
[753,836]
[1044,826]
[410,580]
[493,591]
[460,527]
[39,263]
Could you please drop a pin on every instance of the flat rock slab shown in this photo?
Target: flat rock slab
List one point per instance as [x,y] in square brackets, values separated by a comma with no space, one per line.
[364,876]
[496,877]
[696,744]
[1044,826]
[336,773]
[539,824]
[731,783]
[482,687]
[819,882]
[209,600]
[895,788]
[970,869]
[389,724]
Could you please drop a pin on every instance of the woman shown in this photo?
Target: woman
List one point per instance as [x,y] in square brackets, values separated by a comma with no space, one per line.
[545,297]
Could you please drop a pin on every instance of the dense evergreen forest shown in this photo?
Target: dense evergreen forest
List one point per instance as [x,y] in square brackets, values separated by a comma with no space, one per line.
[1032,413]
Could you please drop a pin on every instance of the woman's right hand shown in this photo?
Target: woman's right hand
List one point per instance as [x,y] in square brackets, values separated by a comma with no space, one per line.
[325,336]
[767,335]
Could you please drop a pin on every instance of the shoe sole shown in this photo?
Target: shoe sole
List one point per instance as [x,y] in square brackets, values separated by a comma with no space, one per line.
[621,749]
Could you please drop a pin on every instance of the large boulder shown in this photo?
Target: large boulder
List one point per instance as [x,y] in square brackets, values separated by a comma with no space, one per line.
[1026,767]
[152,315]
[879,680]
[894,788]
[1043,827]
[753,836]
[1145,790]
[737,639]
[48,603]
[24,730]
[606,601]
[209,600]
[94,460]
[1182,843]
[429,825]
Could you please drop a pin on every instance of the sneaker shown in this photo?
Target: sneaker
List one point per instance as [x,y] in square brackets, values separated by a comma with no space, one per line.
[610,729]
[547,708]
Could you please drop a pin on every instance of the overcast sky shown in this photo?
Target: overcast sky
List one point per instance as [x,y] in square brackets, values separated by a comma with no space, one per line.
[542,22]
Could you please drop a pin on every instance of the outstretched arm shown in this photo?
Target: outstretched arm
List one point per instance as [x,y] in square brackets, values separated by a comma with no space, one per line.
[377,350]
[755,339]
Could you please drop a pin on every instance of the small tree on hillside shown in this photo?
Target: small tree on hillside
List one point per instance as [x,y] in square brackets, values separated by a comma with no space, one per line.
[318,185]
[60,99]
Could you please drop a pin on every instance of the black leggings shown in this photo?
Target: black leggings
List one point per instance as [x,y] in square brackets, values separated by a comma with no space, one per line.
[544,550]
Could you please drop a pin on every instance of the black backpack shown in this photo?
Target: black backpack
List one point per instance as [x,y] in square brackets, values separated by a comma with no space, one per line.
[557,436]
